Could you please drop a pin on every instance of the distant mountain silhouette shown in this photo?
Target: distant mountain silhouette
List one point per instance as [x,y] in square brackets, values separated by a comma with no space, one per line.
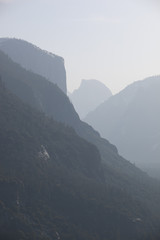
[88,96]
[36,60]
[131,121]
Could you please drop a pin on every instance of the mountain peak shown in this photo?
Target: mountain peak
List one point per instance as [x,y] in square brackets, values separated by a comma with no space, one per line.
[89,95]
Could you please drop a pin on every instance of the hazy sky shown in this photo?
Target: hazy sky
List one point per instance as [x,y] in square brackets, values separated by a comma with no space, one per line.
[114,41]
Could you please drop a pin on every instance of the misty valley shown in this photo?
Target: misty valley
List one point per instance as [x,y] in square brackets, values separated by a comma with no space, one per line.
[75,166]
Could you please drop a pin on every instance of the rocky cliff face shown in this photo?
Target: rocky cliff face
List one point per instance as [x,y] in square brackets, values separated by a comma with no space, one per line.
[36,60]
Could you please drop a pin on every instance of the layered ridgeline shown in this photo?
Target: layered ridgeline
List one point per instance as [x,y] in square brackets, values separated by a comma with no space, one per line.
[53,183]
[88,96]
[36,60]
[51,180]
[45,96]
[131,121]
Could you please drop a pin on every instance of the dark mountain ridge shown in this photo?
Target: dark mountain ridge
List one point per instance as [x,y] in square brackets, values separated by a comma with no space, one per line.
[42,164]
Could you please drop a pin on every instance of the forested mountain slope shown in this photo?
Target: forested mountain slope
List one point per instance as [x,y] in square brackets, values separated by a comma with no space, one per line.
[52,184]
